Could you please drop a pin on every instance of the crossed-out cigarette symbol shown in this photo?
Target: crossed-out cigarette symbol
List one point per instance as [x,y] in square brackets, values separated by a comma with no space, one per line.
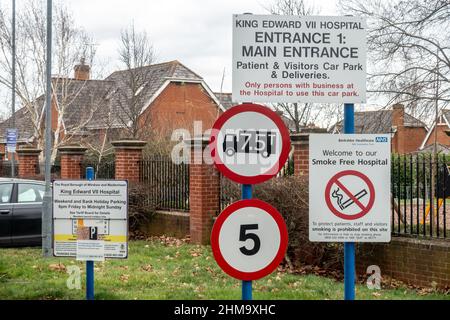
[337,190]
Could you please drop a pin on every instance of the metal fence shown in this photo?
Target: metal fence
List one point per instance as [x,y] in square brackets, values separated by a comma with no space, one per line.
[5,169]
[103,170]
[168,182]
[418,210]
[288,168]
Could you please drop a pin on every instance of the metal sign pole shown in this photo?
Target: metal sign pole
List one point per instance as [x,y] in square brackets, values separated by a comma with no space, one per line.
[90,264]
[47,200]
[349,247]
[13,81]
[246,285]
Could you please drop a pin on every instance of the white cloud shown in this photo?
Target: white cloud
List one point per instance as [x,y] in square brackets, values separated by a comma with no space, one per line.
[195,32]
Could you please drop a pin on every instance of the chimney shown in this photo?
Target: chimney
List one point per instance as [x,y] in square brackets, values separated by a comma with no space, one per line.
[82,71]
[398,115]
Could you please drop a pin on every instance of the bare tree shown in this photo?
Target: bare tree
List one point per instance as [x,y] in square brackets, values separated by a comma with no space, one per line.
[70,44]
[99,144]
[135,53]
[300,114]
[409,51]
[292,7]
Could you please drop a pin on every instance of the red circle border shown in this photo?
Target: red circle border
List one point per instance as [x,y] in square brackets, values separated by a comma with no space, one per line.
[285,138]
[369,204]
[228,211]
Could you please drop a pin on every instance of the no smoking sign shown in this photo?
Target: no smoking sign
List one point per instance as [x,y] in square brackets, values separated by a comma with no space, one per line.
[350,194]
[349,183]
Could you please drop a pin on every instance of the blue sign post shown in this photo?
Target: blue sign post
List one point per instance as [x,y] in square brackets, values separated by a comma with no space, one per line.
[349,247]
[90,264]
[246,285]
[11,139]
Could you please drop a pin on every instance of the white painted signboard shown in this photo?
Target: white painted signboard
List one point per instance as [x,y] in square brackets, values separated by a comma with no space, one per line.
[349,188]
[90,219]
[280,58]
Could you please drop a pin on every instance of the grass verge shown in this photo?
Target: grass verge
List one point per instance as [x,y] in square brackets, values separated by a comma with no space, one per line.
[165,268]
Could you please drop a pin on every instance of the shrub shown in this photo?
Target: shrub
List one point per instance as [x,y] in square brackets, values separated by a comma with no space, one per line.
[289,195]
[141,206]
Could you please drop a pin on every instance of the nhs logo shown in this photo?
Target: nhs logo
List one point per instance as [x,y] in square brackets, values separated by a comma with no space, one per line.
[381,139]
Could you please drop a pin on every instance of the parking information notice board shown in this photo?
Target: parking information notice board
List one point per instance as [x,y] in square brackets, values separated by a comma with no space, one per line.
[90,219]
[280,58]
[350,188]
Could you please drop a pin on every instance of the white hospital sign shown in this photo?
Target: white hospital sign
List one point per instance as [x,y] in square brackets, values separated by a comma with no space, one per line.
[299,59]
[90,219]
[349,183]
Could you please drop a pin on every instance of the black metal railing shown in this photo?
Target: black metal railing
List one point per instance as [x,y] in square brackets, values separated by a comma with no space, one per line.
[288,168]
[5,169]
[419,191]
[167,182]
[103,170]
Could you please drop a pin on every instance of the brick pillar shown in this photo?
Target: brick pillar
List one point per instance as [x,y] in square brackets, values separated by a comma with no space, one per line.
[204,191]
[71,159]
[28,159]
[300,142]
[128,154]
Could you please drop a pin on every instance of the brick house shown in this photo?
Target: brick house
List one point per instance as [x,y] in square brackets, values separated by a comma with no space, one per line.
[407,132]
[440,130]
[172,97]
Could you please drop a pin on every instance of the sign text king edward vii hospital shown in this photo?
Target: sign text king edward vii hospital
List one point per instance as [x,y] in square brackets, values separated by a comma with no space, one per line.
[299,59]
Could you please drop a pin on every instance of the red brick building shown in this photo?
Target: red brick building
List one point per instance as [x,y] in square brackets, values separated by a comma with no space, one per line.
[439,132]
[407,132]
[172,97]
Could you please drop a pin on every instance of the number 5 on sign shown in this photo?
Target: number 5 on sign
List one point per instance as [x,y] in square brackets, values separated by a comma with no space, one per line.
[249,239]
[244,236]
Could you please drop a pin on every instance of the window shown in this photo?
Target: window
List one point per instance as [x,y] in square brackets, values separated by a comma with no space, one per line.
[5,192]
[30,192]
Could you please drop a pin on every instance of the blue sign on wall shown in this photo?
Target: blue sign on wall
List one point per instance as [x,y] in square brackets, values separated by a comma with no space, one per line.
[11,139]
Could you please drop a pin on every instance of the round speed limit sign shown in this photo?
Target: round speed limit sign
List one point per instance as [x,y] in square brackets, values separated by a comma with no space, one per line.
[249,239]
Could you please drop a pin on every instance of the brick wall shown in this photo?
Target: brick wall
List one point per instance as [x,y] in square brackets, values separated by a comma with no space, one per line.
[28,159]
[204,191]
[71,159]
[128,154]
[406,139]
[300,143]
[442,137]
[178,106]
[414,261]
[173,224]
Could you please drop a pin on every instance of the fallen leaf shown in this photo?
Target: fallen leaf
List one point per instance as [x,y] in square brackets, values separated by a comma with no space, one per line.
[376,294]
[57,267]
[147,268]
[124,278]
